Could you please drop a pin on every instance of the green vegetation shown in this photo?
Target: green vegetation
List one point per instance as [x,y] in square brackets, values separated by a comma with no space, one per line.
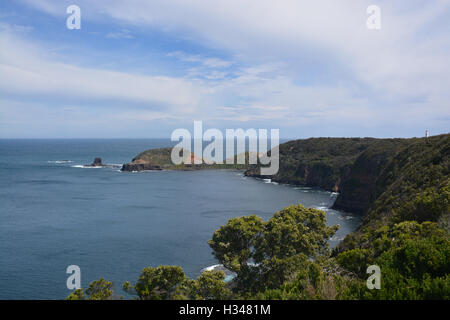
[170,282]
[287,257]
[413,186]
[401,185]
[267,254]
[317,162]
[161,159]
[98,290]
[414,259]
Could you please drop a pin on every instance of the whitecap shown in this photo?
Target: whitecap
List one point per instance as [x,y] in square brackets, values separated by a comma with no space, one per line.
[59,161]
[213,267]
[84,167]
[229,275]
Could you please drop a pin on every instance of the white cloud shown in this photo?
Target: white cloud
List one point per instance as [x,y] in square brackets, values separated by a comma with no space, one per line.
[26,69]
[393,60]
[204,61]
[122,34]
[401,70]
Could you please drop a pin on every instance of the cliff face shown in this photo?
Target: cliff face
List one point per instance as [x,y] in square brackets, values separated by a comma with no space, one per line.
[137,166]
[414,185]
[317,162]
[358,184]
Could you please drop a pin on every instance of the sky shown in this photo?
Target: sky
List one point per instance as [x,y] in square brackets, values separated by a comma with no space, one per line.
[141,69]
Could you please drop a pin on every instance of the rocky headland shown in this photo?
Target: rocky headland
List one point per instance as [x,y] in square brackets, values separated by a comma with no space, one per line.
[385,180]
[382,179]
[160,159]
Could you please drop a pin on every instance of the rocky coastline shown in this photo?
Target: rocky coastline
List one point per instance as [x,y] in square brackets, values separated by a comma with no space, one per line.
[356,168]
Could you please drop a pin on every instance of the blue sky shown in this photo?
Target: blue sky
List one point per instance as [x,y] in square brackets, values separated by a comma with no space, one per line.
[144,68]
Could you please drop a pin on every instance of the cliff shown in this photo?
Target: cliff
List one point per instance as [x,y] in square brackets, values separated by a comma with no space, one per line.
[317,162]
[357,185]
[413,186]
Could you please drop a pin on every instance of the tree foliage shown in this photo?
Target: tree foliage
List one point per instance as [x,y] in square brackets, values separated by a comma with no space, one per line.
[233,244]
[97,290]
[158,283]
[287,257]
[266,254]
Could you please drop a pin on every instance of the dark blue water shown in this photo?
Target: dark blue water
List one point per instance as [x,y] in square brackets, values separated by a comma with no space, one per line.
[54,213]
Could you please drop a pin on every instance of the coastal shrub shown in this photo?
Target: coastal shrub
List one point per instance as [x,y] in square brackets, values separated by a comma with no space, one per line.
[429,205]
[354,260]
[158,283]
[77,294]
[210,285]
[313,283]
[98,290]
[414,259]
[233,244]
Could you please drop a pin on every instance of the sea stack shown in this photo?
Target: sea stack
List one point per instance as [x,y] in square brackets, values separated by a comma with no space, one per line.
[97,163]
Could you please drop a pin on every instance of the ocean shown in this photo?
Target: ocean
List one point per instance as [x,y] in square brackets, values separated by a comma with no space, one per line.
[54,213]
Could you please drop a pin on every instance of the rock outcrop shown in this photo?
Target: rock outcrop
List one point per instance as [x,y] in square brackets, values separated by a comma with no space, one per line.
[97,163]
[139,166]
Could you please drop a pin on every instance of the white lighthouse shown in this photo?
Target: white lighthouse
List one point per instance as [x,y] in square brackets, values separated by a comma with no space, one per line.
[427,134]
